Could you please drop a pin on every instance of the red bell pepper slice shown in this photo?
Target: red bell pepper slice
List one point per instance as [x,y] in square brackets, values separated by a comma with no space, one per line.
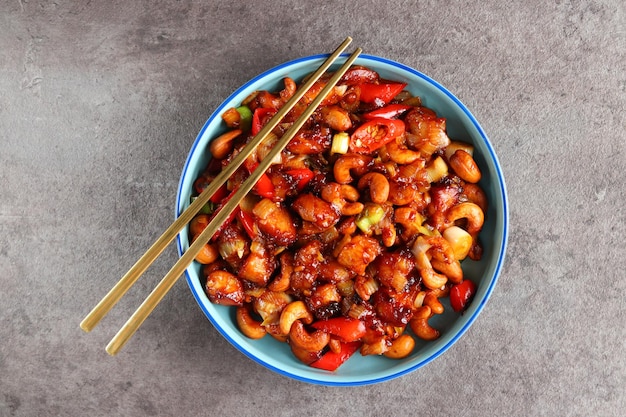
[260,118]
[461,294]
[371,93]
[203,182]
[330,361]
[247,221]
[390,111]
[375,133]
[302,177]
[230,217]
[219,195]
[264,186]
[345,328]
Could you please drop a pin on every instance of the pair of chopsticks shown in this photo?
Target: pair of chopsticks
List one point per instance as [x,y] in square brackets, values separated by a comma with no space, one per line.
[153,299]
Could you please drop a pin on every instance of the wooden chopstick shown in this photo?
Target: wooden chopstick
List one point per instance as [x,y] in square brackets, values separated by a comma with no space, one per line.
[177,270]
[172,276]
[124,284]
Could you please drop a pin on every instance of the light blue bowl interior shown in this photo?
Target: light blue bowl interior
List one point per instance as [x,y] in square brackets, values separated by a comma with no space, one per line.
[361,370]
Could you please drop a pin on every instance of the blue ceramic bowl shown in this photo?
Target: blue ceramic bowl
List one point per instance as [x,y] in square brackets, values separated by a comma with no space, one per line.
[361,370]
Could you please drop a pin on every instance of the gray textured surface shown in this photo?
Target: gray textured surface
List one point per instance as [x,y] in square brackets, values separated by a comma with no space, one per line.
[100,102]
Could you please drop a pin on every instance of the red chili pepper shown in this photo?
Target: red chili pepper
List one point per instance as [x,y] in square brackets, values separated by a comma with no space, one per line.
[390,111]
[330,361]
[260,117]
[375,133]
[370,93]
[345,328]
[461,294]
[302,177]
[247,221]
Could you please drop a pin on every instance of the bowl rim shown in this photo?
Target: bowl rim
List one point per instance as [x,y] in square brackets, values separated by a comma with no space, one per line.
[501,250]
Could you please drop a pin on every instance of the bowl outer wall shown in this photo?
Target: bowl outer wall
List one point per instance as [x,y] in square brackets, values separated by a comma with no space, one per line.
[461,125]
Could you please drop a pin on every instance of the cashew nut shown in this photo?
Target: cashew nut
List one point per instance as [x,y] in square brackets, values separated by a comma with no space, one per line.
[401,347]
[421,249]
[419,324]
[470,211]
[269,100]
[303,355]
[401,154]
[282,280]
[350,162]
[221,146]
[451,269]
[311,342]
[433,280]
[274,331]
[289,90]
[248,325]
[431,300]
[474,194]
[465,167]
[296,310]
[378,186]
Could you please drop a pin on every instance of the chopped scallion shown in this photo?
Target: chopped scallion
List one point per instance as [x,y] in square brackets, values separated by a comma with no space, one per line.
[340,144]
[370,216]
[246,118]
[207,208]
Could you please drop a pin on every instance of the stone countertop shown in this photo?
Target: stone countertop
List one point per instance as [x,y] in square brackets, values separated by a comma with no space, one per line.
[101,101]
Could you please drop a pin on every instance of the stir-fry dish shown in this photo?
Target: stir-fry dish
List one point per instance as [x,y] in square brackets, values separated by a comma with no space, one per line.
[357,230]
